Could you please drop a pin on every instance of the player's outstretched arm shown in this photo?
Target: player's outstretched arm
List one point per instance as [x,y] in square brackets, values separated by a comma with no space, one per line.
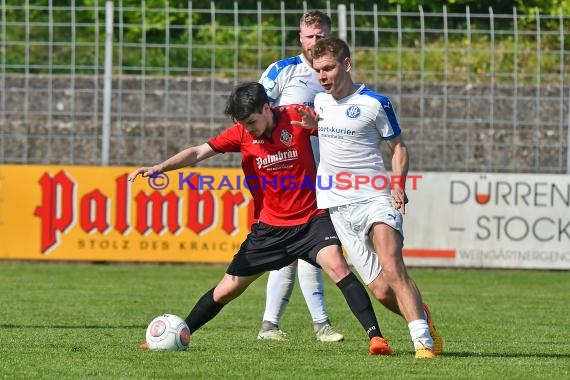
[187,157]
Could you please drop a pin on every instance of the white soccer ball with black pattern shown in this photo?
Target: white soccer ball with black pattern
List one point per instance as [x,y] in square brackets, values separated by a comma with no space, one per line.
[167,332]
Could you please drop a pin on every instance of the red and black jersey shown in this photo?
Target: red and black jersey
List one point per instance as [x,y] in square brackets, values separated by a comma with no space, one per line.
[280,170]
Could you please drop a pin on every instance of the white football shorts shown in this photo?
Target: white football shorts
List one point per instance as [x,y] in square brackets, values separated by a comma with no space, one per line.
[352,223]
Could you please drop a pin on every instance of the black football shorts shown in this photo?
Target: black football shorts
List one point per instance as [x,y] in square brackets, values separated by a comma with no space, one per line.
[269,247]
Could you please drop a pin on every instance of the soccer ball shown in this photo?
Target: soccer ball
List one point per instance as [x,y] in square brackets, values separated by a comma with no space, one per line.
[167,332]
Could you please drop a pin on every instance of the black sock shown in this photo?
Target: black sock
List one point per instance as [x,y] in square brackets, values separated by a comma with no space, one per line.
[359,303]
[204,310]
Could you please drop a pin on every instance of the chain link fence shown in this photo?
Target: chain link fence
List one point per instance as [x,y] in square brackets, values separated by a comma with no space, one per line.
[473,92]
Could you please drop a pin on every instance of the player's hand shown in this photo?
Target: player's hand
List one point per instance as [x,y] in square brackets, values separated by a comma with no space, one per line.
[145,171]
[309,118]
[399,200]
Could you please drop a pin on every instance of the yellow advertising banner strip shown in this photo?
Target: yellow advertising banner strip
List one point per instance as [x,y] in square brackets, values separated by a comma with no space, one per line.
[94,214]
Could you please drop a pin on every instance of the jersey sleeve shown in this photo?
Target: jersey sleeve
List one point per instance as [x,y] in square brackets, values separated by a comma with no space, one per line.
[269,80]
[229,140]
[276,77]
[386,121]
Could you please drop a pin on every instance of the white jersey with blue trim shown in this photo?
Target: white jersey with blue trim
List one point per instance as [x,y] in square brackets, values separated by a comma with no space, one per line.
[291,81]
[350,131]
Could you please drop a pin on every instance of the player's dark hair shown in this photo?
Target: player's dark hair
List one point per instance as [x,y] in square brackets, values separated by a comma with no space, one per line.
[245,100]
[333,46]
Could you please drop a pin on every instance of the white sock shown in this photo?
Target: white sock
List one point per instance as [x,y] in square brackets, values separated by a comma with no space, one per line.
[279,288]
[419,331]
[311,282]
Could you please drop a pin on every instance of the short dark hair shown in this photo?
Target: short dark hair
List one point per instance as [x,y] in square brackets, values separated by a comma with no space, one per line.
[331,45]
[316,18]
[245,100]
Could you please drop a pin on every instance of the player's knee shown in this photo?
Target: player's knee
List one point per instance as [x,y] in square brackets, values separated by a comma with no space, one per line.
[381,291]
[335,267]
[224,294]
[341,270]
[393,274]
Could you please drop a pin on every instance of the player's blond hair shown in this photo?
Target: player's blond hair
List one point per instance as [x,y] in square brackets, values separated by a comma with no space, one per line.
[316,18]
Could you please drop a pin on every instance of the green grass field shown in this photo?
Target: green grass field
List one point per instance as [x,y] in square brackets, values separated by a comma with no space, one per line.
[86,321]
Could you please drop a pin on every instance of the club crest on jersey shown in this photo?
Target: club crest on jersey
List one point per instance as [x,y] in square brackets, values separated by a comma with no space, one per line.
[353,112]
[286,138]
